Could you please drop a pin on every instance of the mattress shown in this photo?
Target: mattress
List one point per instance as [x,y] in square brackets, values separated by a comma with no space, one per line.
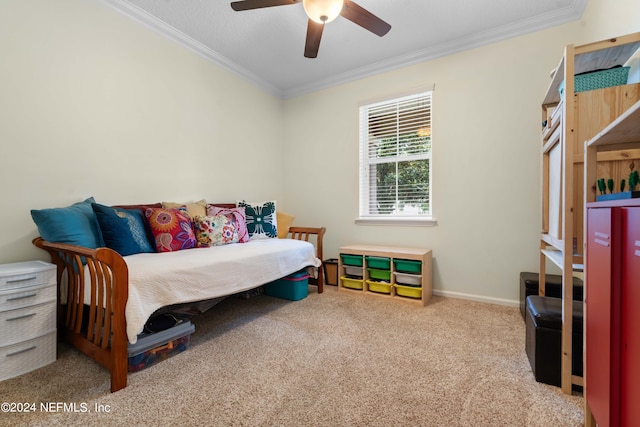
[160,279]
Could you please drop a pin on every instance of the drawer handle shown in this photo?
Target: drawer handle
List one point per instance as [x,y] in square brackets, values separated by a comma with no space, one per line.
[637,253]
[21,317]
[15,353]
[21,297]
[601,242]
[26,279]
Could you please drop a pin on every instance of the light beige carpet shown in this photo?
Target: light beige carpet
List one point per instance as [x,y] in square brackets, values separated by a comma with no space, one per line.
[332,359]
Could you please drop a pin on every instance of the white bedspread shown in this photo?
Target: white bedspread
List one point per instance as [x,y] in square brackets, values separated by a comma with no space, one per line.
[160,279]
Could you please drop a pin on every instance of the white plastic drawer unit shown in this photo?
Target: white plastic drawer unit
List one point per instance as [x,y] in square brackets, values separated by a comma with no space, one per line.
[27,322]
[26,274]
[27,317]
[26,356]
[17,298]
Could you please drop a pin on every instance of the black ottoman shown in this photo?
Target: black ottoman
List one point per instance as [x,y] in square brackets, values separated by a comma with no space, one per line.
[530,282]
[544,338]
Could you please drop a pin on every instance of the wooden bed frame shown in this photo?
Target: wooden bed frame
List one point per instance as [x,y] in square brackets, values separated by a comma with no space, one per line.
[99,332]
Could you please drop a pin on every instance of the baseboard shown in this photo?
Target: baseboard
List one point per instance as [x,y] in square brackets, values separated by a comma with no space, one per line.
[478,298]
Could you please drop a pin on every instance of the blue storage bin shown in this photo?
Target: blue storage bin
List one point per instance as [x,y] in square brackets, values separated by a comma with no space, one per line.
[293,287]
[153,348]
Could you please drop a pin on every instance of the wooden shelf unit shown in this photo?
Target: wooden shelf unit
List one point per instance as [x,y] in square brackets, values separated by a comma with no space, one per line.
[621,139]
[572,119]
[413,254]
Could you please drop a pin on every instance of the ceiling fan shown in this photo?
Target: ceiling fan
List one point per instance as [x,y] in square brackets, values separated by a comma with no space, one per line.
[321,12]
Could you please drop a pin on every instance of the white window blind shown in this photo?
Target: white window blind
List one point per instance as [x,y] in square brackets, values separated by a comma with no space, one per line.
[395,158]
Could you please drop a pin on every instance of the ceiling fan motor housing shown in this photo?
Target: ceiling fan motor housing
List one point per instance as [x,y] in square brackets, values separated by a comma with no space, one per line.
[322,11]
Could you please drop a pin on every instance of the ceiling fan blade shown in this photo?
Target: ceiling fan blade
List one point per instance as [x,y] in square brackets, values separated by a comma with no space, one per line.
[314,34]
[364,18]
[257,4]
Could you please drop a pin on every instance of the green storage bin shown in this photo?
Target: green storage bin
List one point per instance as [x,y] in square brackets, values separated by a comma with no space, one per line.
[355,260]
[407,265]
[377,274]
[380,263]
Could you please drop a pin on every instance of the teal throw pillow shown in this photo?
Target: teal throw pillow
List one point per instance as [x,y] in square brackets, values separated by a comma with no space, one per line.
[73,225]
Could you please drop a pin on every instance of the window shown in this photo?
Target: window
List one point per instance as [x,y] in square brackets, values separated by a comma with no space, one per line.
[395,160]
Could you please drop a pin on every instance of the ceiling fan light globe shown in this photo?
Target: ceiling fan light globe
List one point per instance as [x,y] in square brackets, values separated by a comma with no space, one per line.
[322,11]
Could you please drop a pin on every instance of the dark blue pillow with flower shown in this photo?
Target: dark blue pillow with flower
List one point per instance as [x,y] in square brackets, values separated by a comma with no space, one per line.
[122,230]
[261,219]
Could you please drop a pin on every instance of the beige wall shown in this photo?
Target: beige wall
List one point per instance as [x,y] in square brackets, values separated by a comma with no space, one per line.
[94,104]
[486,170]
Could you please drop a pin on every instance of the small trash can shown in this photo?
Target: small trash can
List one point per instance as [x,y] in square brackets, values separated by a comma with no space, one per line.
[330,267]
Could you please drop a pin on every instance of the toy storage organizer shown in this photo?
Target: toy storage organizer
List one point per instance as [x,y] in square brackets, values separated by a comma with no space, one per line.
[389,272]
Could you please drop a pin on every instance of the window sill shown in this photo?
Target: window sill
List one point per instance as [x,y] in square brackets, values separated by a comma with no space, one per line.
[411,222]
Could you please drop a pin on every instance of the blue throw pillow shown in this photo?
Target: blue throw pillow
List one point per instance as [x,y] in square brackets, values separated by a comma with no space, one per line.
[74,225]
[122,230]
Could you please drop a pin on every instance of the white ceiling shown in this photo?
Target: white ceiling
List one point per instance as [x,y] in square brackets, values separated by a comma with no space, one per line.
[266,45]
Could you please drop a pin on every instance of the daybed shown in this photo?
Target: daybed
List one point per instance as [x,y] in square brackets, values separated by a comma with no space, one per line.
[105,298]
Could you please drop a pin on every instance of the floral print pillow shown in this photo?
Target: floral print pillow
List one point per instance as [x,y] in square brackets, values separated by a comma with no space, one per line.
[214,230]
[171,229]
[235,215]
[261,219]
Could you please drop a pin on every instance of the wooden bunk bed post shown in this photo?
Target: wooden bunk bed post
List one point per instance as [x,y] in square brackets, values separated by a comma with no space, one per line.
[567,215]
[557,241]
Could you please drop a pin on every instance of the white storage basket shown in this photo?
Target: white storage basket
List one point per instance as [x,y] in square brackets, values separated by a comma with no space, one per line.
[408,279]
[353,271]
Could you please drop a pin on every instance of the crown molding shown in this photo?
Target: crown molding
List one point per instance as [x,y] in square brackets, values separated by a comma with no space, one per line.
[570,13]
[169,32]
[562,16]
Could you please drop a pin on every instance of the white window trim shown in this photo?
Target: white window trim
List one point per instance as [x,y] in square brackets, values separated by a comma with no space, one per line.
[398,220]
